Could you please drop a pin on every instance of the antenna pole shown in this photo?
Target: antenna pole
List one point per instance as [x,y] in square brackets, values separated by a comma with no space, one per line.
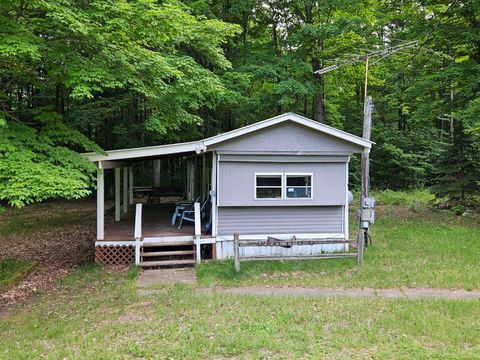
[366,76]
[365,214]
[366,204]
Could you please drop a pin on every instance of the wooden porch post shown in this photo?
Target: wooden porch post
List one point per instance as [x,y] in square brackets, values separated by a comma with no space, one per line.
[125,190]
[117,194]
[156,173]
[204,177]
[130,185]
[190,180]
[100,202]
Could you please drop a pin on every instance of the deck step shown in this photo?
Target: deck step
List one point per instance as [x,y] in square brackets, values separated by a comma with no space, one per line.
[167,243]
[167,253]
[166,263]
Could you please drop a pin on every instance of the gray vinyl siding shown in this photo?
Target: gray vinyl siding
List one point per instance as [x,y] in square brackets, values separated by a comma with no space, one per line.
[280,220]
[288,137]
[237,183]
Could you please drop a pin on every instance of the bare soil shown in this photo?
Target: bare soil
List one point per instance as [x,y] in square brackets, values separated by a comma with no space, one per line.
[57,236]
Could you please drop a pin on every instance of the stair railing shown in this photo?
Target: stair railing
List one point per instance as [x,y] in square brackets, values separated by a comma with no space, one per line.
[138,232]
[198,229]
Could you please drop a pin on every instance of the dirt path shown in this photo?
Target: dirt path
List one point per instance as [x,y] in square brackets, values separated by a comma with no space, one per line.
[166,277]
[329,292]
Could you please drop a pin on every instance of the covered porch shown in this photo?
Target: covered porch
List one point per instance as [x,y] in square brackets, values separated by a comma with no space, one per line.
[141,215]
[156,222]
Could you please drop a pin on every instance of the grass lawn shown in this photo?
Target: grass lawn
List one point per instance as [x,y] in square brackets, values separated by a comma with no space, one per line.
[97,315]
[13,270]
[413,247]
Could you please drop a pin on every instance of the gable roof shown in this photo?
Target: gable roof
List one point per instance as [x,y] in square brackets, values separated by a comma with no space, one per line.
[202,145]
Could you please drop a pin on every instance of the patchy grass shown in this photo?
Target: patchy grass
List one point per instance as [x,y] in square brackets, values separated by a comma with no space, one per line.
[97,315]
[12,271]
[413,199]
[411,248]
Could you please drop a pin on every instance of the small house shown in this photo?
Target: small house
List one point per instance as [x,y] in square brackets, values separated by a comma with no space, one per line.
[283,177]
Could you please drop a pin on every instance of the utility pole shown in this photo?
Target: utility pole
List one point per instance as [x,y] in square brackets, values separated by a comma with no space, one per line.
[366,212]
[365,217]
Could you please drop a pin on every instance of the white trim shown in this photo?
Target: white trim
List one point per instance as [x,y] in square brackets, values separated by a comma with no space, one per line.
[143,152]
[115,243]
[202,145]
[345,229]
[100,203]
[213,194]
[340,236]
[297,174]
[151,239]
[203,240]
[138,222]
[198,217]
[217,192]
[281,187]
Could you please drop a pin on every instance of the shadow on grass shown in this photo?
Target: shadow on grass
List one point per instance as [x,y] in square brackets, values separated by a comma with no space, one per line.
[12,271]
[223,272]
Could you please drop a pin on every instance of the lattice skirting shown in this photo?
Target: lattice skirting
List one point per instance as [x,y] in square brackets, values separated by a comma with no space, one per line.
[115,255]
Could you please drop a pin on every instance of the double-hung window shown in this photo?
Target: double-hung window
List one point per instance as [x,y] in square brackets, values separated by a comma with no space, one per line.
[286,186]
[298,186]
[268,186]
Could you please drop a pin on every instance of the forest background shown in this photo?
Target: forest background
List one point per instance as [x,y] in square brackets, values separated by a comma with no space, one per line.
[88,75]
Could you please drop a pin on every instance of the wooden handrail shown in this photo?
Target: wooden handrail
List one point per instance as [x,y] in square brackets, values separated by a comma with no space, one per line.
[138,221]
[198,229]
[138,232]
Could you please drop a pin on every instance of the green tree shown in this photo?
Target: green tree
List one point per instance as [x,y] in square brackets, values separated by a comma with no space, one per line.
[457,171]
[79,73]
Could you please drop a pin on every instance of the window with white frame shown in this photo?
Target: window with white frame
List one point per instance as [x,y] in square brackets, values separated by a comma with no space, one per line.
[286,186]
[268,185]
[298,186]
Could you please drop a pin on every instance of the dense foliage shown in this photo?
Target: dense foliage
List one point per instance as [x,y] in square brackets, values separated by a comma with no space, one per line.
[77,74]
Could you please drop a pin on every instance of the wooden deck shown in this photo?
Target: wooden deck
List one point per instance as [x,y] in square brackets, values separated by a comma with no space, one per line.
[155,223]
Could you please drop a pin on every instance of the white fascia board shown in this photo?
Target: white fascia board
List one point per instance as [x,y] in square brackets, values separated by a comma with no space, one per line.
[295,118]
[143,152]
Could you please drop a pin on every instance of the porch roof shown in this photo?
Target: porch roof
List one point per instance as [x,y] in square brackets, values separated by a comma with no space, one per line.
[200,146]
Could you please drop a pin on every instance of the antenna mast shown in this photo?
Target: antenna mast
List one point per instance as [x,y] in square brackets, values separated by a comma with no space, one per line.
[366,203]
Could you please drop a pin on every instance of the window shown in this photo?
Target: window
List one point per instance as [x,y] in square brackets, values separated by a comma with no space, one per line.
[268,186]
[299,186]
[286,186]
